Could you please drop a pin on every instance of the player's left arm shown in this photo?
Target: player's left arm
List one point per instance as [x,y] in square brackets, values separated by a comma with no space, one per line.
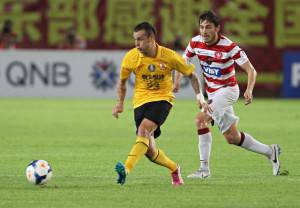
[251,72]
[188,69]
[187,56]
[199,95]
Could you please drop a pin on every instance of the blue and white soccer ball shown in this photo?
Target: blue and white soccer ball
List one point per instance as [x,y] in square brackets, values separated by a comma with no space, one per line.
[38,172]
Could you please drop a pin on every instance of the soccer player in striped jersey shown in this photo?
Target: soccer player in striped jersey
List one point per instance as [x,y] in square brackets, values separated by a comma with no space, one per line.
[217,55]
[152,66]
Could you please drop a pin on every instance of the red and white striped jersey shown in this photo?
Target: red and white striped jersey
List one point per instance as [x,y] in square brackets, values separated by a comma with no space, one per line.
[217,61]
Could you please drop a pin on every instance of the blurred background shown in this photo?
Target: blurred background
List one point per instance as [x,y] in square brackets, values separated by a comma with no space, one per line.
[73,48]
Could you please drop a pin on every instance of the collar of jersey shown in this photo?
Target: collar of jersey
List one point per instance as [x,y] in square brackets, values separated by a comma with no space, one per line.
[158,52]
[219,37]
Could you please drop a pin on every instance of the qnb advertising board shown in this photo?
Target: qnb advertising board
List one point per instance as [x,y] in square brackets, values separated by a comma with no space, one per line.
[74,74]
[291,85]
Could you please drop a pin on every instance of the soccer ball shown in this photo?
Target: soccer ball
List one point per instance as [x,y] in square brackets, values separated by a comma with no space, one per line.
[38,172]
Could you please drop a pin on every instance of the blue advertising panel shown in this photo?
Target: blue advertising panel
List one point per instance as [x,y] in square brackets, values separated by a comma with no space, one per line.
[291,81]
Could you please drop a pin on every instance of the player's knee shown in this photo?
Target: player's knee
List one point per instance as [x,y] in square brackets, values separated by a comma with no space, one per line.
[200,120]
[150,153]
[143,131]
[146,128]
[231,138]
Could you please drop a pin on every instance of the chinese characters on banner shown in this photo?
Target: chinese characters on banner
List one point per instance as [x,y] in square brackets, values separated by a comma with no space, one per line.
[287,25]
[264,28]
[24,23]
[63,15]
[108,24]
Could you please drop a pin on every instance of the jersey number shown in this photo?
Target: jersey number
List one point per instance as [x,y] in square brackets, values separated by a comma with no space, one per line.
[153,85]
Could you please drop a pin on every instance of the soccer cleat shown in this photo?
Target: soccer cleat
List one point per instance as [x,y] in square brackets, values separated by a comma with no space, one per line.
[201,174]
[120,168]
[176,177]
[274,159]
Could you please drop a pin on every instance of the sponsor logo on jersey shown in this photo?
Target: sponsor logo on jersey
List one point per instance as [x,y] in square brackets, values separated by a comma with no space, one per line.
[215,71]
[202,52]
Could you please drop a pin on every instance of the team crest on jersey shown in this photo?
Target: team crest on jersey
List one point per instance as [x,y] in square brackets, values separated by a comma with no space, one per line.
[218,55]
[104,74]
[151,67]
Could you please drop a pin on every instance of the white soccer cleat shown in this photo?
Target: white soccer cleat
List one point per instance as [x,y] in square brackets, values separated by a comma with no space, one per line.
[274,159]
[200,174]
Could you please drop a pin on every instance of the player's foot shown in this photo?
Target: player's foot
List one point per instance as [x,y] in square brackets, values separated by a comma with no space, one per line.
[274,159]
[201,174]
[120,168]
[176,177]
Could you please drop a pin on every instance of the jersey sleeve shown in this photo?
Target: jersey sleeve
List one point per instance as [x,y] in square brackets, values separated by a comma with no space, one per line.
[189,53]
[128,65]
[183,65]
[238,55]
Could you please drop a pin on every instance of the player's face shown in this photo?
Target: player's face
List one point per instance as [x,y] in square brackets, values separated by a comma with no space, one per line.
[143,42]
[209,32]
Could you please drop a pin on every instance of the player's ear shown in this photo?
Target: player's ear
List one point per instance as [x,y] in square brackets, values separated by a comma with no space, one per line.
[218,28]
[152,36]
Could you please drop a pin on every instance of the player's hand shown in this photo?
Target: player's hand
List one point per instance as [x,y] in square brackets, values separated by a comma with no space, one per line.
[117,109]
[176,87]
[248,97]
[205,106]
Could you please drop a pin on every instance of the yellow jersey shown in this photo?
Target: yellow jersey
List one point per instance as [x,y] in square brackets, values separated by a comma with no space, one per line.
[153,75]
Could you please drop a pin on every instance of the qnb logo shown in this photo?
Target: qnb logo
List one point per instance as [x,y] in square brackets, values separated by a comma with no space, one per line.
[104,74]
[20,74]
[215,71]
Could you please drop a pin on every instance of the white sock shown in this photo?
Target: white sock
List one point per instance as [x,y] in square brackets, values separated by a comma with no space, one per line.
[253,145]
[205,141]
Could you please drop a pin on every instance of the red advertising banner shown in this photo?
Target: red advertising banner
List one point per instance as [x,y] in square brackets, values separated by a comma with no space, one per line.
[263,28]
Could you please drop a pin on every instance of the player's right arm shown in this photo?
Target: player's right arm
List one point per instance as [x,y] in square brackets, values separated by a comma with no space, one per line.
[121,93]
[127,66]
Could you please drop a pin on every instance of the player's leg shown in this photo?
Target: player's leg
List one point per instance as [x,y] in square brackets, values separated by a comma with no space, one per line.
[204,146]
[140,148]
[158,113]
[159,157]
[141,145]
[246,141]
[218,101]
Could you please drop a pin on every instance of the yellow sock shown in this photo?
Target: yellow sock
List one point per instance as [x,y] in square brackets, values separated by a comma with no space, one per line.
[161,158]
[138,150]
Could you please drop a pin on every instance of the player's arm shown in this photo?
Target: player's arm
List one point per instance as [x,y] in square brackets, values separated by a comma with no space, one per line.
[126,69]
[188,69]
[251,72]
[178,76]
[199,95]
[176,83]
[187,56]
[121,93]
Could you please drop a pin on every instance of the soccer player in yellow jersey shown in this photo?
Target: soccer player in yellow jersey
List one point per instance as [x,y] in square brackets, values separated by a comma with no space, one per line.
[152,65]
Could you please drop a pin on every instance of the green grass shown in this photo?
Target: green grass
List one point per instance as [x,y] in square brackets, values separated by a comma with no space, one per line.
[83,142]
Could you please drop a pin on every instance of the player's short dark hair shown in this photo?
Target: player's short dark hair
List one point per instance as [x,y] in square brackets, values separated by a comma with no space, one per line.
[210,16]
[149,29]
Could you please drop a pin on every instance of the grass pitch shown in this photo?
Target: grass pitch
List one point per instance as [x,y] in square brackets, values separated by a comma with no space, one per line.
[83,142]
